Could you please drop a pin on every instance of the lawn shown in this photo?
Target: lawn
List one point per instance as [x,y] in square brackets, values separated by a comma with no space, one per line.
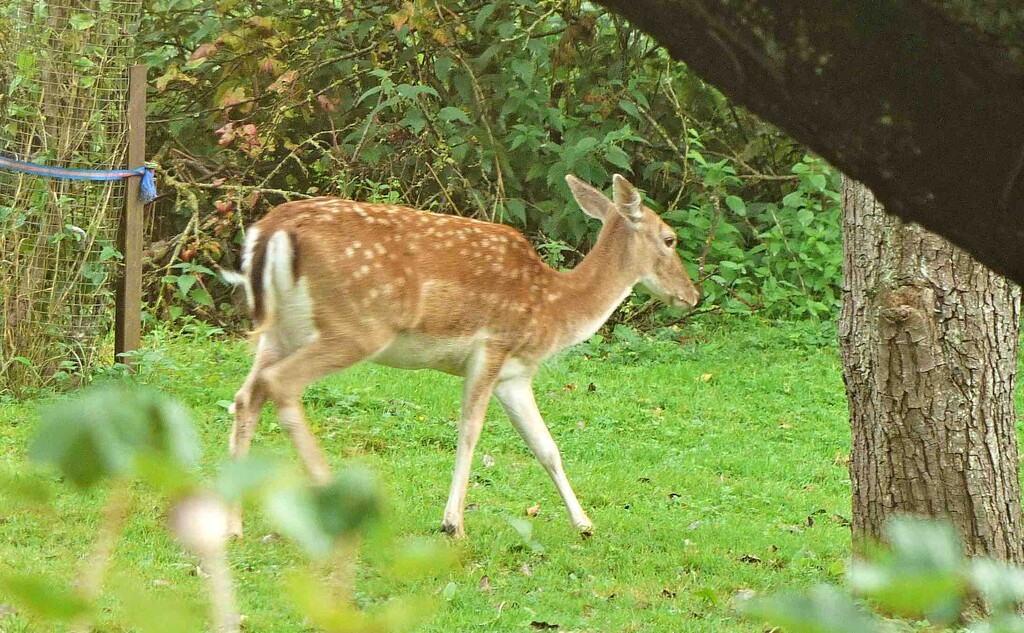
[712,461]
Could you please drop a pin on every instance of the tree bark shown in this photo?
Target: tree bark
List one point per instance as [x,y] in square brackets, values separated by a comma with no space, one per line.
[928,338]
[922,100]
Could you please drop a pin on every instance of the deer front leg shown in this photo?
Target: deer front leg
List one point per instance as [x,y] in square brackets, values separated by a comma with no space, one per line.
[476,393]
[516,397]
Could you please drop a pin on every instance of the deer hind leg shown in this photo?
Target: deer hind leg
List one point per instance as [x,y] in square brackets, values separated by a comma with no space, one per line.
[516,397]
[287,379]
[248,402]
[247,406]
[476,393]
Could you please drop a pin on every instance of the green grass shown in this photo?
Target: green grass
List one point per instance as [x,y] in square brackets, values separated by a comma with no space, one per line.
[709,466]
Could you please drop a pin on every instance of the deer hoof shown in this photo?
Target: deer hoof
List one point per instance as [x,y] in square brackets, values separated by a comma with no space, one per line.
[453,530]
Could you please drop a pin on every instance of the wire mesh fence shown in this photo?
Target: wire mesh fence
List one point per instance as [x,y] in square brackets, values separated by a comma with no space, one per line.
[63,103]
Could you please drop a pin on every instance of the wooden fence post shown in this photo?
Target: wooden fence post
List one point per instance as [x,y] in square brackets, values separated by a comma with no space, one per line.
[128,321]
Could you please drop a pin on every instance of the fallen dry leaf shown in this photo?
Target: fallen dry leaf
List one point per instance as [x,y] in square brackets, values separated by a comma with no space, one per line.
[488,461]
[544,626]
[484,584]
[526,569]
[533,511]
[570,387]
[750,558]
[591,387]
[706,377]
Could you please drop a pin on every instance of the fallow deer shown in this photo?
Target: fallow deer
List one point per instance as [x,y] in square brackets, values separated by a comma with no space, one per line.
[333,282]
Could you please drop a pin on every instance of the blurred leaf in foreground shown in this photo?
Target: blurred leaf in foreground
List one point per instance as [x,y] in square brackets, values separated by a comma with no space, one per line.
[104,431]
[317,516]
[41,598]
[824,609]
[922,575]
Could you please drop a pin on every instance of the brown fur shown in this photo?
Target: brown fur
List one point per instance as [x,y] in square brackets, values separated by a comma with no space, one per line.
[414,289]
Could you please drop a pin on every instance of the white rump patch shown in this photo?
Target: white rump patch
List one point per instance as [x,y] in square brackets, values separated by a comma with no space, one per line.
[289,302]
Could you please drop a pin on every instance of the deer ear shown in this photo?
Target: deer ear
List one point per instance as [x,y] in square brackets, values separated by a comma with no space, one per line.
[627,199]
[593,202]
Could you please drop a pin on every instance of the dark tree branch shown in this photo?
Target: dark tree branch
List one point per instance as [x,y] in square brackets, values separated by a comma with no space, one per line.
[924,105]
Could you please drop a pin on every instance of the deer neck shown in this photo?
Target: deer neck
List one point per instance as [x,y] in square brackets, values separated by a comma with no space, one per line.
[589,293]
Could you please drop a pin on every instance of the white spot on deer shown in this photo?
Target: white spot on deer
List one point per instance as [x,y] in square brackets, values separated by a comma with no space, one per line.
[379,248]
[349,251]
[368,254]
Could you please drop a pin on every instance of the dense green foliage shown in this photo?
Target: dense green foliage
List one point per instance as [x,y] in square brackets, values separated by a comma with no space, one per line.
[473,108]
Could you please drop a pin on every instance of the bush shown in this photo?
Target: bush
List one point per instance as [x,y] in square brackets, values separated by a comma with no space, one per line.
[478,111]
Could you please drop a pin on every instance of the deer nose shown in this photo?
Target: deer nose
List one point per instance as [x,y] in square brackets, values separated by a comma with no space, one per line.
[688,299]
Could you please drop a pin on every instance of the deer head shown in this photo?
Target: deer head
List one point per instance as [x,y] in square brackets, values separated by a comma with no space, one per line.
[650,242]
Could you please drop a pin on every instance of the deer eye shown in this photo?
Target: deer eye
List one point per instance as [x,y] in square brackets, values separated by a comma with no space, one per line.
[670,241]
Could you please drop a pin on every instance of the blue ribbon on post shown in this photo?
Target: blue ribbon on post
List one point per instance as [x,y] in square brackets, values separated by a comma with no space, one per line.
[147,186]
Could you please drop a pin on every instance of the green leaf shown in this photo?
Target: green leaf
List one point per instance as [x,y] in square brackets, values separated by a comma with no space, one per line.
[202,297]
[449,591]
[483,15]
[617,157]
[736,204]
[443,67]
[923,575]
[185,283]
[26,62]
[109,252]
[24,489]
[421,558]
[824,610]
[817,181]
[42,598]
[1000,584]
[293,511]
[629,108]
[451,113]
[239,479]
[585,144]
[101,432]
[81,21]
[316,517]
[348,502]
[516,209]
[794,199]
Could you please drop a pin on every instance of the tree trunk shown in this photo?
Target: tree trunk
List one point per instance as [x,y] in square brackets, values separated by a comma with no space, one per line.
[928,339]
